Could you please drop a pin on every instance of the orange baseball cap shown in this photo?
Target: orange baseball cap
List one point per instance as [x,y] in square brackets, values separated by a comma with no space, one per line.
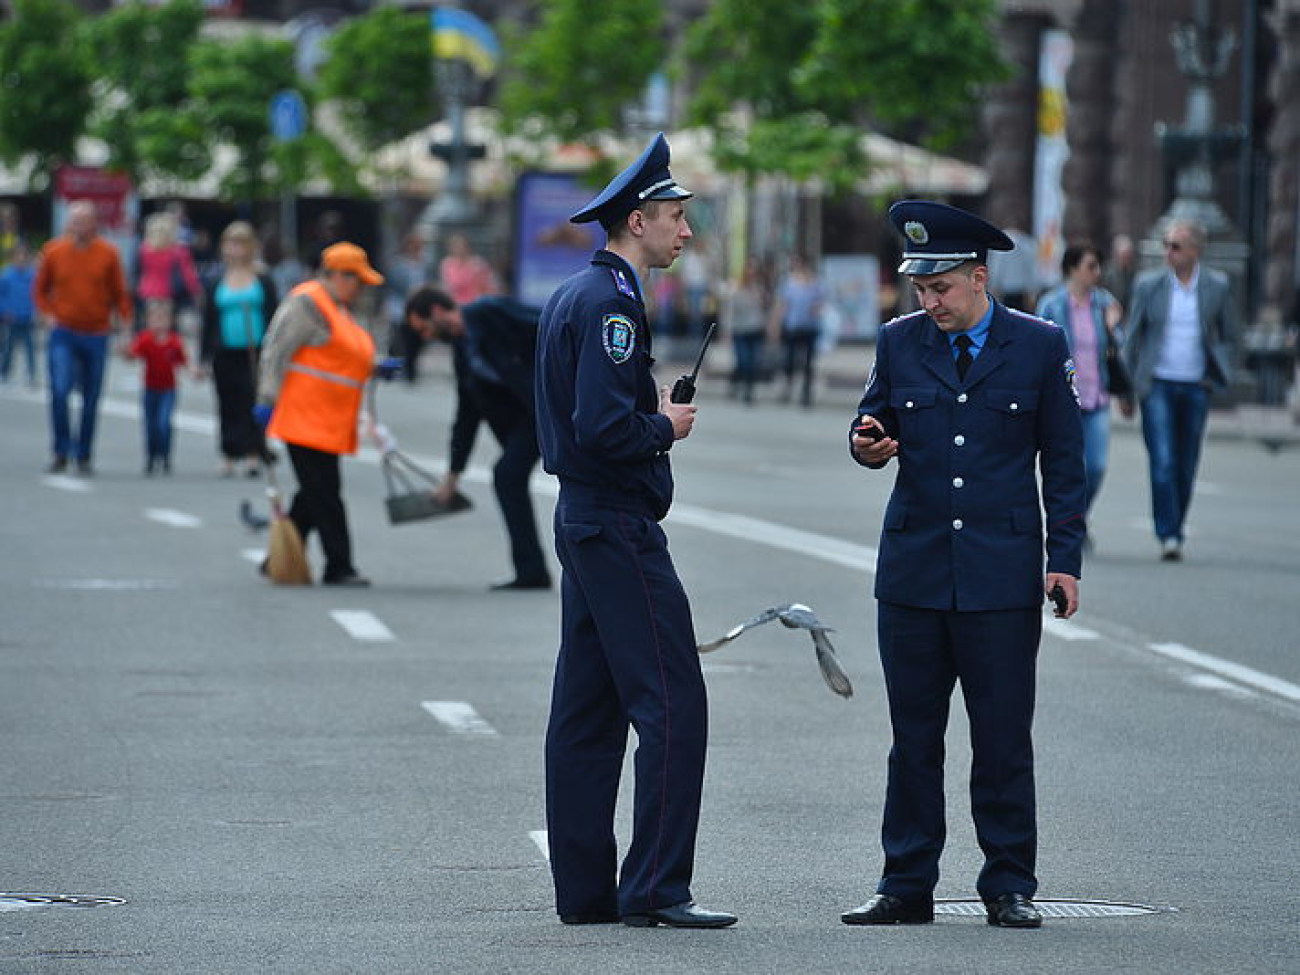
[350,257]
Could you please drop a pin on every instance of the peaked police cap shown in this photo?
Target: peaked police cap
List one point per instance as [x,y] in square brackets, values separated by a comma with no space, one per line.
[940,237]
[646,179]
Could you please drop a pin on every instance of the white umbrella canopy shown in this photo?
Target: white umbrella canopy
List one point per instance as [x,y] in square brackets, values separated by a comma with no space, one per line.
[894,166]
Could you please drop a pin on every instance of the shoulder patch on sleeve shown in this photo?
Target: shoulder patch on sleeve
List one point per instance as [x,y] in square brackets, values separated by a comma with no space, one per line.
[1068,371]
[618,333]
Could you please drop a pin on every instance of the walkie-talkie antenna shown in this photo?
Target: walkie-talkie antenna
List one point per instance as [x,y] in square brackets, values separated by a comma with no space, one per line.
[684,388]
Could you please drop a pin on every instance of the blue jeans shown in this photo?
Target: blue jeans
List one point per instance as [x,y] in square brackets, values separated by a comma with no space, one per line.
[1173,425]
[19,334]
[158,407]
[1096,445]
[76,360]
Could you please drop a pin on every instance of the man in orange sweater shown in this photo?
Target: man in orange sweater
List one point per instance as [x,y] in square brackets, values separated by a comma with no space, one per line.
[79,286]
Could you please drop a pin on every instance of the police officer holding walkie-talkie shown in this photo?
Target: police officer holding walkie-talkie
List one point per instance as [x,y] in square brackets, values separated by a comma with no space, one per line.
[627,653]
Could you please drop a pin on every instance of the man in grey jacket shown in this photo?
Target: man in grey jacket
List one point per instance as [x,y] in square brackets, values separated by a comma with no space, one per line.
[1180,329]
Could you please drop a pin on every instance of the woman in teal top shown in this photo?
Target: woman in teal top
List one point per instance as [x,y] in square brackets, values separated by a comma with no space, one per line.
[240,304]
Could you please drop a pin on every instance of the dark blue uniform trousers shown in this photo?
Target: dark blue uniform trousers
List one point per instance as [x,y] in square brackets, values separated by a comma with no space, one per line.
[993,654]
[627,657]
[514,430]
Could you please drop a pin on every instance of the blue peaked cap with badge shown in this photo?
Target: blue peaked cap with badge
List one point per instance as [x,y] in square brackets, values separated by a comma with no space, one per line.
[646,179]
[941,237]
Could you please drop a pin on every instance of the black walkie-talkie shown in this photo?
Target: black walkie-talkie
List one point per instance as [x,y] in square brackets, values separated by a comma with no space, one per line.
[684,388]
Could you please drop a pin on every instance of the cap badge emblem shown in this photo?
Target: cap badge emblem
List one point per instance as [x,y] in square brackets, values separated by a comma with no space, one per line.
[916,232]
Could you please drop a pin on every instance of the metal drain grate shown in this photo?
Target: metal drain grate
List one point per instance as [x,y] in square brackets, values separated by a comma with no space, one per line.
[41,902]
[1054,908]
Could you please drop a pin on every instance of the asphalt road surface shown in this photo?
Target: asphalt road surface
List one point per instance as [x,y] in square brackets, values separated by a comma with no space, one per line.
[321,780]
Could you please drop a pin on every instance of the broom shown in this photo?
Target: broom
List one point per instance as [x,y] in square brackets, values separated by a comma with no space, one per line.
[286,556]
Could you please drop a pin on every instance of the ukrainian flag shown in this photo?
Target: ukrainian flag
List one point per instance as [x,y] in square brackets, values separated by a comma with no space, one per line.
[459,35]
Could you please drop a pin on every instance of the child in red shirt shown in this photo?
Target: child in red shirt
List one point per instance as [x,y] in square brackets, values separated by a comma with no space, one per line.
[163,353]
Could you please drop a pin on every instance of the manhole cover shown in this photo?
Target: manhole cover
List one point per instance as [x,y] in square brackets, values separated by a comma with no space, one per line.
[1054,908]
[41,902]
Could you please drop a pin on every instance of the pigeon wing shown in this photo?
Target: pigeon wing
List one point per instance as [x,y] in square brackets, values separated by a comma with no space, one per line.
[799,616]
[764,617]
[836,679]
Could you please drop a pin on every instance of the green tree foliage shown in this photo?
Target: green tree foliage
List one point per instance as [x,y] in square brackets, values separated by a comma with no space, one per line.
[919,68]
[378,73]
[789,88]
[231,85]
[44,85]
[140,53]
[573,75]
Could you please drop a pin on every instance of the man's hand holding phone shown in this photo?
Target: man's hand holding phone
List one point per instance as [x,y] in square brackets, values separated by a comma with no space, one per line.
[870,444]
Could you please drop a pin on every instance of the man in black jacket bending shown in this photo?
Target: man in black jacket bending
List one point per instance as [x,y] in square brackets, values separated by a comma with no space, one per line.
[493,341]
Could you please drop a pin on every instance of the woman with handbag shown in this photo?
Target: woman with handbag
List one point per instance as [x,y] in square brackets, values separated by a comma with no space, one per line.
[1090,317]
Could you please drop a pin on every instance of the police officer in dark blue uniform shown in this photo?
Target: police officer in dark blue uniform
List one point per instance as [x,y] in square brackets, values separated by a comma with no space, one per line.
[969,396]
[628,652]
[493,341]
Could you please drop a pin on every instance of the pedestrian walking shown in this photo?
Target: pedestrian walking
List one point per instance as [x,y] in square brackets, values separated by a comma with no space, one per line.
[494,341]
[796,322]
[80,290]
[18,312]
[974,400]
[1180,331]
[236,314]
[1090,317]
[744,315]
[162,351]
[627,649]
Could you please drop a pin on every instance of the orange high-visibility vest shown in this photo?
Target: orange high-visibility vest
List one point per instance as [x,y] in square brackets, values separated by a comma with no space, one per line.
[321,395]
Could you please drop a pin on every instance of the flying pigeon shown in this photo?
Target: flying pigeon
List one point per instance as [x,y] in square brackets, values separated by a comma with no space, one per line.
[797,616]
[254,522]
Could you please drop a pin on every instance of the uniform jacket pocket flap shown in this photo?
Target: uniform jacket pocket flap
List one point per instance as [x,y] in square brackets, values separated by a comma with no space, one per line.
[911,399]
[1013,402]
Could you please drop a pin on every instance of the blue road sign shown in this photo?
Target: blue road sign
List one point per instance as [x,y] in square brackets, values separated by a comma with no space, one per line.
[288,115]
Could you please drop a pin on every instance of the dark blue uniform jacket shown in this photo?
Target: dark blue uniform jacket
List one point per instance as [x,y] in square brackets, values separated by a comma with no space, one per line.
[598,420]
[964,526]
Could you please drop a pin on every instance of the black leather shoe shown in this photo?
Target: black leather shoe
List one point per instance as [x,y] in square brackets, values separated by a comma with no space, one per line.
[687,914]
[888,909]
[57,466]
[509,584]
[1013,911]
[599,918]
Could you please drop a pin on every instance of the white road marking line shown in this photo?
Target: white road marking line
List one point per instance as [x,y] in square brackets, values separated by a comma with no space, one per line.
[1068,630]
[538,836]
[361,624]
[170,516]
[107,585]
[252,554]
[834,550]
[1211,683]
[65,483]
[1237,673]
[459,717]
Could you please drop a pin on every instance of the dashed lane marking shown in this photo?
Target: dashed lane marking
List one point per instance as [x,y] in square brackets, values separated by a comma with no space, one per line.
[64,482]
[361,624]
[538,836]
[1236,673]
[1068,630]
[460,718]
[170,516]
[808,544]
